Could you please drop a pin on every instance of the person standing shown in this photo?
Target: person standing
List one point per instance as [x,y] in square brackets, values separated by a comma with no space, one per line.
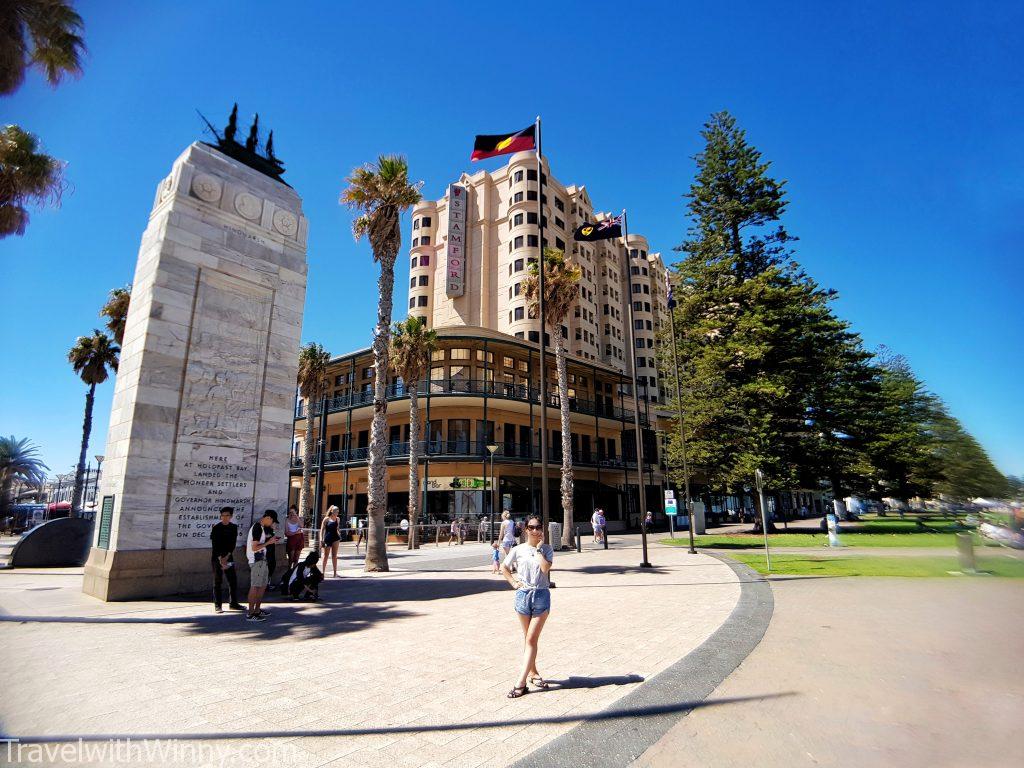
[294,538]
[223,536]
[453,531]
[330,535]
[271,550]
[507,533]
[256,543]
[648,520]
[595,523]
[532,561]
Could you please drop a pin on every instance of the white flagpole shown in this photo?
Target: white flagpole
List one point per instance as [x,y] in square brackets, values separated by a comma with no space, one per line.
[544,506]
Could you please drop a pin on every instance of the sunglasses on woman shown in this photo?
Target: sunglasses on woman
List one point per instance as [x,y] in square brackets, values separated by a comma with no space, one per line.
[534,527]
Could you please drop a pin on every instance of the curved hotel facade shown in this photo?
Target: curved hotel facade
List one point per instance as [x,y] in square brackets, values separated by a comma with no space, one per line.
[470,252]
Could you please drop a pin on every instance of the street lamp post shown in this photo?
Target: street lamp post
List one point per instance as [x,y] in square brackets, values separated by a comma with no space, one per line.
[96,484]
[759,479]
[491,449]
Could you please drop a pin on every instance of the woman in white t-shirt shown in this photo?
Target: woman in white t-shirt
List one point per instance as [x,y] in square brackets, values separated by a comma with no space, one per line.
[507,533]
[532,562]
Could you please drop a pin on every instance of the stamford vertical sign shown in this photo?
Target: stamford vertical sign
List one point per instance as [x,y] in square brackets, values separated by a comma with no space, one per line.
[455,255]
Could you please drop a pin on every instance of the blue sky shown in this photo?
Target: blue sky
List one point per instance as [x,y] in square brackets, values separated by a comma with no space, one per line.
[897,126]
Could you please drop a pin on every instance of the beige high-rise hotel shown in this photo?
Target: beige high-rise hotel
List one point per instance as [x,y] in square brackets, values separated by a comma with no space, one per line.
[469,254]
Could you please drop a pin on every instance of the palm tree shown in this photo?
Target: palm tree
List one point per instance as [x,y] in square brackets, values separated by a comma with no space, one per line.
[40,33]
[380,192]
[561,291]
[411,347]
[116,312]
[27,177]
[92,357]
[313,362]
[19,460]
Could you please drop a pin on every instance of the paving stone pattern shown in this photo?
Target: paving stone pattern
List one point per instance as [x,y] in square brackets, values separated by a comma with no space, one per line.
[408,668]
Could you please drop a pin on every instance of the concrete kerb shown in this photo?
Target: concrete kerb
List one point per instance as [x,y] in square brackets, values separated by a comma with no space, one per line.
[618,739]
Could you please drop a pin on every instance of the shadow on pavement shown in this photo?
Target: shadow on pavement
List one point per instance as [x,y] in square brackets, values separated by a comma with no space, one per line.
[595,682]
[613,713]
[631,569]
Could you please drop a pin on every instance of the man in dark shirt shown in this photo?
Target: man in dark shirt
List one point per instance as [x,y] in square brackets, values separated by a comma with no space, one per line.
[271,550]
[223,537]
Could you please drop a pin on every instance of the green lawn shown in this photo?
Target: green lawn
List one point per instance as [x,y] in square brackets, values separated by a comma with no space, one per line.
[800,565]
[909,538]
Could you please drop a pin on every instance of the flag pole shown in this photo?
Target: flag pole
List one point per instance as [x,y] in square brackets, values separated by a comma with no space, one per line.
[544,510]
[644,563]
[679,409]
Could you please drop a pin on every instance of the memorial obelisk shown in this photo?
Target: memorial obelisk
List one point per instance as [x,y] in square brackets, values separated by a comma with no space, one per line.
[203,405]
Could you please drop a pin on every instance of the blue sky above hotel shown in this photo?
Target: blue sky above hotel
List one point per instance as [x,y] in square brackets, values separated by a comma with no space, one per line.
[898,130]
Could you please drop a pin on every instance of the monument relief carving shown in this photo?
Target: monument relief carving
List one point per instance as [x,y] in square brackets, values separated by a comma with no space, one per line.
[248,206]
[285,223]
[206,187]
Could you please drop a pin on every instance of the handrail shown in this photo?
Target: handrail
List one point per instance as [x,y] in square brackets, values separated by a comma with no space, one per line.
[480,387]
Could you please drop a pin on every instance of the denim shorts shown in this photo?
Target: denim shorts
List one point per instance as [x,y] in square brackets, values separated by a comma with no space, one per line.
[533,602]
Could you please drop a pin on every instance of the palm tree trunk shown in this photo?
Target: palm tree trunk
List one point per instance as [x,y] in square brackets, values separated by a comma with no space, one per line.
[563,403]
[307,465]
[377,485]
[414,463]
[76,499]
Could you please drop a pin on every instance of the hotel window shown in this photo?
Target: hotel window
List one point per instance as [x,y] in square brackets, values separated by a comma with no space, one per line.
[531,194]
[643,270]
[637,306]
[648,323]
[638,324]
[415,223]
[519,176]
[510,316]
[424,260]
[518,265]
[517,219]
[518,242]
[368,373]
[482,356]
[636,288]
[531,175]
[534,336]
[425,240]
[559,223]
[518,311]
[459,354]
[510,292]
[647,289]
[531,218]
[517,197]
[437,373]
[524,367]
[412,283]
[415,242]
[517,288]
[508,362]
[421,301]
[634,270]
[519,334]
[426,221]
[413,263]
[412,303]
[531,241]
[559,243]
[436,355]
[423,320]
[647,306]
[559,204]
[638,343]
[424,279]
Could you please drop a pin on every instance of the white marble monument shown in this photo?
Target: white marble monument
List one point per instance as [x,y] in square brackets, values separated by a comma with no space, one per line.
[203,405]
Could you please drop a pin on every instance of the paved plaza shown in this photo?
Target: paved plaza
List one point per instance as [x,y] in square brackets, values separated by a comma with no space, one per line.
[407,668]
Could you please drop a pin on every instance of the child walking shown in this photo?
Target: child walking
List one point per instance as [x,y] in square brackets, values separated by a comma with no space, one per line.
[495,557]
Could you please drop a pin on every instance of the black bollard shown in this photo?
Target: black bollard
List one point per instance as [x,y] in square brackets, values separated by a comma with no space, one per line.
[604,537]
[579,546]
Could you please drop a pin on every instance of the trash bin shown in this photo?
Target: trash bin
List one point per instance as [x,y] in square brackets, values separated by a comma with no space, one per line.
[554,534]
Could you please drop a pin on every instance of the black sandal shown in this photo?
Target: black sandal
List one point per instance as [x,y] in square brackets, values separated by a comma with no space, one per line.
[515,693]
[539,681]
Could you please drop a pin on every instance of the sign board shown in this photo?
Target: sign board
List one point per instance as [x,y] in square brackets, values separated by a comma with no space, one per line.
[670,508]
[455,250]
[106,519]
[506,502]
[457,484]
[670,494]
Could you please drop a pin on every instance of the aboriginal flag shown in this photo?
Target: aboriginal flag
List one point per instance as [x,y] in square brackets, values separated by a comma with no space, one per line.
[602,230]
[504,143]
